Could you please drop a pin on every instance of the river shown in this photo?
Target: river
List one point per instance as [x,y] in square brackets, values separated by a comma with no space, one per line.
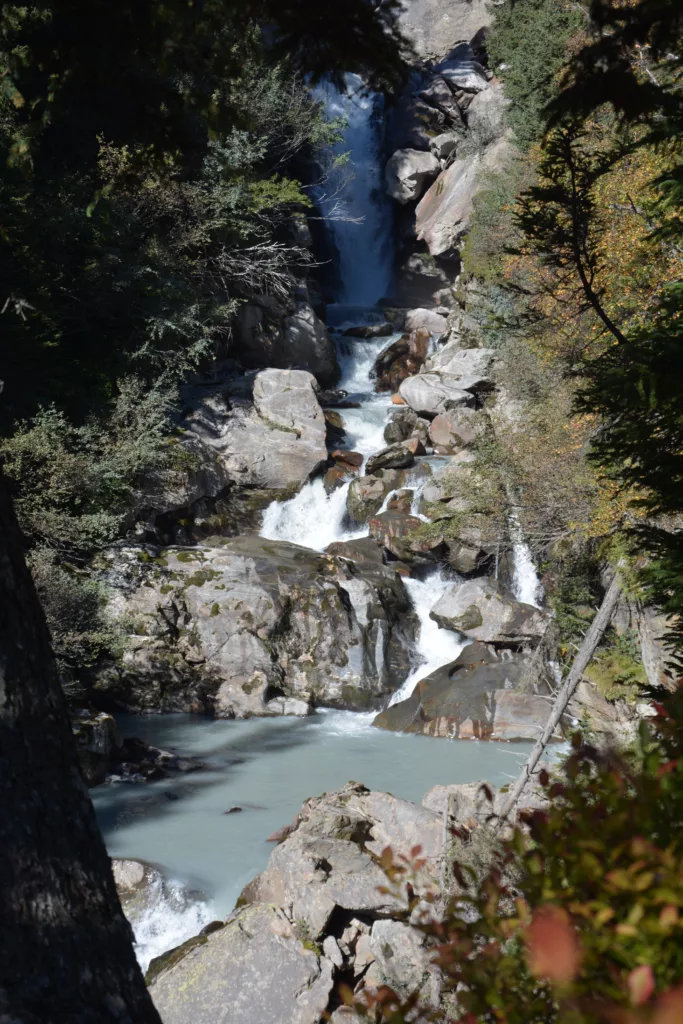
[267,767]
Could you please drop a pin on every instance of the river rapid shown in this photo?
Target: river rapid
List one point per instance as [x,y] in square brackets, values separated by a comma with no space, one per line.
[208,831]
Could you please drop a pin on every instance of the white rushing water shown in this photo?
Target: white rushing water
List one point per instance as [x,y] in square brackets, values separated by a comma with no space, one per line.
[526,585]
[353,200]
[435,647]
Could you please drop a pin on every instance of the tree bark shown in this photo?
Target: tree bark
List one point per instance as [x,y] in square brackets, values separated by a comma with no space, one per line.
[581,662]
[66,952]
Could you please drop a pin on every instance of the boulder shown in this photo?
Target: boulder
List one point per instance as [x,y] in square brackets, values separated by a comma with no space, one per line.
[98,742]
[420,281]
[470,366]
[443,215]
[451,480]
[484,610]
[473,698]
[462,72]
[365,497]
[426,320]
[403,962]
[395,529]
[401,425]
[363,549]
[367,331]
[396,456]
[408,173]
[454,430]
[444,146]
[432,393]
[240,627]
[267,335]
[471,806]
[433,25]
[439,94]
[274,438]
[306,345]
[400,360]
[254,968]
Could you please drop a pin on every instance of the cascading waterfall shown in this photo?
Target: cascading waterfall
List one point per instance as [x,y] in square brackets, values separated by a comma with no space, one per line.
[526,585]
[358,218]
[435,647]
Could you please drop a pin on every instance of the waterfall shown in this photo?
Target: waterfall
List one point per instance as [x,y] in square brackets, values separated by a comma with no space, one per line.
[435,647]
[352,201]
[358,217]
[526,585]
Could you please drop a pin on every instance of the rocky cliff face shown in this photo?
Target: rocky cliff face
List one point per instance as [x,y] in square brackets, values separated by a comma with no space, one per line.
[254,627]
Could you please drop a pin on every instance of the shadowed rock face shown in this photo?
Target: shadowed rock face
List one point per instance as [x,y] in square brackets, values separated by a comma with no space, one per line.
[473,698]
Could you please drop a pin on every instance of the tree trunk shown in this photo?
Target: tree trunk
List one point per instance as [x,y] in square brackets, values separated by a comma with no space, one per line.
[581,662]
[66,953]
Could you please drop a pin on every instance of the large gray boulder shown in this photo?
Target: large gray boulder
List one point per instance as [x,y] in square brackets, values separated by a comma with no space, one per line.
[429,394]
[471,367]
[257,627]
[255,968]
[454,430]
[426,319]
[274,438]
[408,173]
[434,26]
[316,916]
[267,334]
[443,215]
[485,610]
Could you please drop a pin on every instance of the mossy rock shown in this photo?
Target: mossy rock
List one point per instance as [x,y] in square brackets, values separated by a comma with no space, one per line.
[172,957]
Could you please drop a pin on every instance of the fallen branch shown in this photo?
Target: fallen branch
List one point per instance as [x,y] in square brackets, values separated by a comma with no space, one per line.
[565,693]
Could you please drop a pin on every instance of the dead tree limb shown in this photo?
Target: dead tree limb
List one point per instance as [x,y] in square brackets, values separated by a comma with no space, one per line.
[565,693]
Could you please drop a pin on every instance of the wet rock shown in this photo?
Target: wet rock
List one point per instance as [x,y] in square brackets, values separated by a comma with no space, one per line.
[398,400]
[352,459]
[364,549]
[396,456]
[402,359]
[395,530]
[306,345]
[269,335]
[98,742]
[132,875]
[369,331]
[408,173]
[365,497]
[476,697]
[255,968]
[401,425]
[432,393]
[336,476]
[484,610]
[334,426]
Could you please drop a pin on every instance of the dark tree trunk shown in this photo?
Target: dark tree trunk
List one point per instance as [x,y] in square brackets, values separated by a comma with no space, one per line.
[66,953]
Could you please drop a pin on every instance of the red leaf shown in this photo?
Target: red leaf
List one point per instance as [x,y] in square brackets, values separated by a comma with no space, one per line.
[552,945]
[641,984]
[669,1007]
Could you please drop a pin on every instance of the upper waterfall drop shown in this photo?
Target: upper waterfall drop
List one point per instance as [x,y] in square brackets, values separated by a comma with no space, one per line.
[358,217]
[353,203]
